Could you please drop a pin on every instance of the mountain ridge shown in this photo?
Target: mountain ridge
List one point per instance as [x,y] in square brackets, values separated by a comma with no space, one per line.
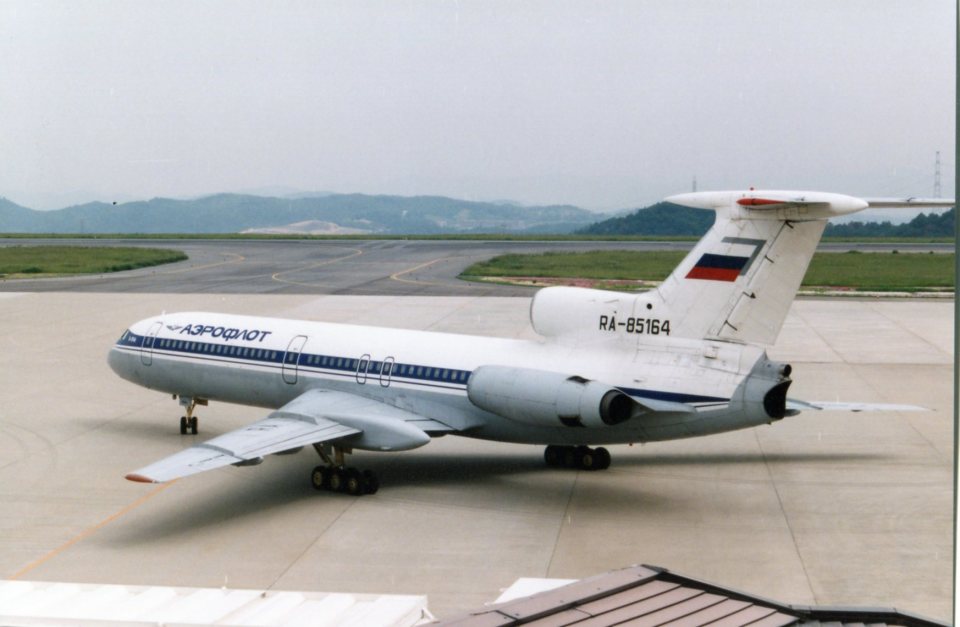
[233,213]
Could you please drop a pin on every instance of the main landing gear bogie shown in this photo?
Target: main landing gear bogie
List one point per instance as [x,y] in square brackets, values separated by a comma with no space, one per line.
[577,457]
[335,476]
[345,480]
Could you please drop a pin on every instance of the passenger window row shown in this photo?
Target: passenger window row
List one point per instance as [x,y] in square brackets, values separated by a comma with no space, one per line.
[321,361]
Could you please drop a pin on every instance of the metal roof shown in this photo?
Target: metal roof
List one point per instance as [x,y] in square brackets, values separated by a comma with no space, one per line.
[649,595]
[50,603]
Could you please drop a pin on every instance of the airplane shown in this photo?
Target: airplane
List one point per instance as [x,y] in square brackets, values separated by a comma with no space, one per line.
[682,360]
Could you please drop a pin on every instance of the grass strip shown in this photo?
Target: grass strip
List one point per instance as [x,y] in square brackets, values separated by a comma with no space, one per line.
[852,270]
[36,261]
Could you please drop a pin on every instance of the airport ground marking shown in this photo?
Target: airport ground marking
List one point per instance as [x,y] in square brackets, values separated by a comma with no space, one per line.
[565,520]
[237,258]
[86,533]
[786,517]
[276,275]
[396,275]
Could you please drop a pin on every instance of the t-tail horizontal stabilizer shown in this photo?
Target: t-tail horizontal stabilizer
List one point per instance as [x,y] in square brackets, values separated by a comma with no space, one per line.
[796,406]
[911,203]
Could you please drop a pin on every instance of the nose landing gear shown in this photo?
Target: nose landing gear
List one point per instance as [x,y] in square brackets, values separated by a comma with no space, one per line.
[189,423]
[336,477]
[577,457]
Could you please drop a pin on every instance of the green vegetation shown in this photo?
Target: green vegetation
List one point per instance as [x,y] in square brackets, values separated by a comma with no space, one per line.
[32,261]
[852,270]
[882,271]
[924,225]
[663,218]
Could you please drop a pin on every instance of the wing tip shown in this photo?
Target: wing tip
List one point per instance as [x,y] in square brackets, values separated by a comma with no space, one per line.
[140,478]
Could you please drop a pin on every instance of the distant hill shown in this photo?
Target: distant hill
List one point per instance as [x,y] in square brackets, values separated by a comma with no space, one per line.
[924,225]
[663,218]
[232,213]
[668,219]
[13,217]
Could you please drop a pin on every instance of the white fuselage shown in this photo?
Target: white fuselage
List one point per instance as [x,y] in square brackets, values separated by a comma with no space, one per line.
[268,362]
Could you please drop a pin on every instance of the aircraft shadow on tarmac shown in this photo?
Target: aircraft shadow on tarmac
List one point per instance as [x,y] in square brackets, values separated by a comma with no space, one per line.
[275,486]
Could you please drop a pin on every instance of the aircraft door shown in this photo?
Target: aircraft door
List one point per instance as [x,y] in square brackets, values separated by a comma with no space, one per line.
[146,351]
[386,371]
[362,368]
[292,358]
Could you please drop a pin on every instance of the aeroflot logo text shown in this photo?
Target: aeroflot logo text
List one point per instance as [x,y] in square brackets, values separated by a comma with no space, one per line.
[227,333]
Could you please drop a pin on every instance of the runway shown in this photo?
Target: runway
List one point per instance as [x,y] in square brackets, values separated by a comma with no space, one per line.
[825,508]
[363,267]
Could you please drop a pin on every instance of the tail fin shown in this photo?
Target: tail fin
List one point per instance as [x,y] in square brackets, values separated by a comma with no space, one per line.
[739,280]
[736,284]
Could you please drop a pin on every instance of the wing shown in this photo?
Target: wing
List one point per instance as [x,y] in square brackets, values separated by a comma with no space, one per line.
[314,417]
[796,406]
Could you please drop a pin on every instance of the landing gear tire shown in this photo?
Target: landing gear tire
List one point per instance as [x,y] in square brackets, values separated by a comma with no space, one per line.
[188,423]
[335,481]
[603,458]
[553,455]
[370,482]
[577,457]
[586,459]
[352,482]
[318,478]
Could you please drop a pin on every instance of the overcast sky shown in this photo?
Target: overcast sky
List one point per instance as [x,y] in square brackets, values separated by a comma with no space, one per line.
[605,105]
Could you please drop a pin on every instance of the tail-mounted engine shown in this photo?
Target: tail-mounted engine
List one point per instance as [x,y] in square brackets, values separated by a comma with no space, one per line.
[767,387]
[547,399]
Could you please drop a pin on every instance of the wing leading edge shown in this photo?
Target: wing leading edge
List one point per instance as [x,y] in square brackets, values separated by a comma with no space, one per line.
[314,417]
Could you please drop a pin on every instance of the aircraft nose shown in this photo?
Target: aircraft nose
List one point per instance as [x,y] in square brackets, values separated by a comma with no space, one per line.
[121,363]
[114,360]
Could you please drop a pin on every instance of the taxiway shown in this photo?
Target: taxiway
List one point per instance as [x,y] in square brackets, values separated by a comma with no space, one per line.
[825,508]
[346,267]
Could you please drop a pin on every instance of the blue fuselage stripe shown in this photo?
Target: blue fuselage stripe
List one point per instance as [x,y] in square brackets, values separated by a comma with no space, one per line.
[349,366]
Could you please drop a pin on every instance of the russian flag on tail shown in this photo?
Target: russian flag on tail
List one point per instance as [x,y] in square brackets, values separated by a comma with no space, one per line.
[713,267]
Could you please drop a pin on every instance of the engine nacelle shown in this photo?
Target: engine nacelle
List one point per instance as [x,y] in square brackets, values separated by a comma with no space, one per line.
[767,387]
[547,399]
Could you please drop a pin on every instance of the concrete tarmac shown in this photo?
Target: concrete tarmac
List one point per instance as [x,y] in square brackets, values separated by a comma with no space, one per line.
[825,508]
[363,267]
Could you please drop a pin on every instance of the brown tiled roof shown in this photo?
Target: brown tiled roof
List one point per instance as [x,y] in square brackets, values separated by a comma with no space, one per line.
[649,595]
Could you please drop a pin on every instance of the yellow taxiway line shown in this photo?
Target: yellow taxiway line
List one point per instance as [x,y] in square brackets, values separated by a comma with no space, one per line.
[86,533]
[276,275]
